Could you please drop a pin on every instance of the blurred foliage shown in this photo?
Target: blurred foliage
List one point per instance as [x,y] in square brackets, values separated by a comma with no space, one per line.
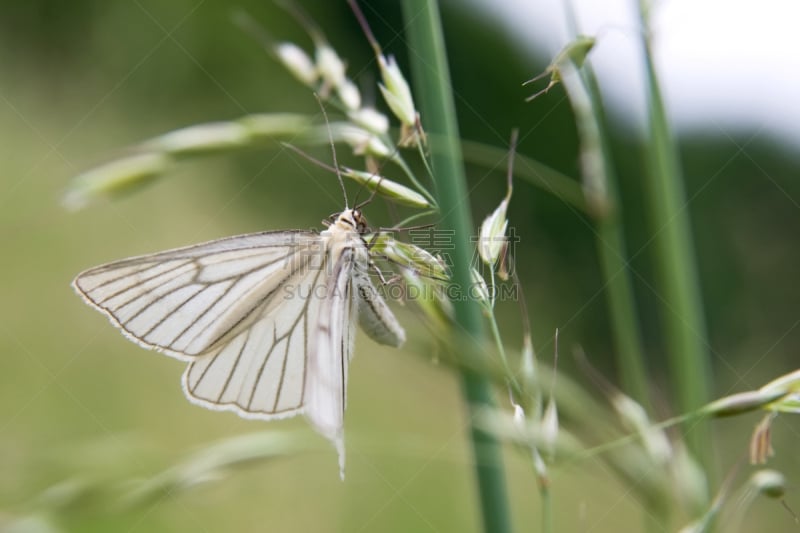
[79,406]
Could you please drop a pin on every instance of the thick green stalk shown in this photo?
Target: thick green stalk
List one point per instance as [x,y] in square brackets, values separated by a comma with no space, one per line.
[600,184]
[584,94]
[622,309]
[612,252]
[603,205]
[434,90]
[682,314]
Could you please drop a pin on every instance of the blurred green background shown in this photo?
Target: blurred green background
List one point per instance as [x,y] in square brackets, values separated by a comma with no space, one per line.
[80,81]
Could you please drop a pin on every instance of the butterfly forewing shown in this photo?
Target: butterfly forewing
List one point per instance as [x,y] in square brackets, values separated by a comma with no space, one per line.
[330,350]
[189,300]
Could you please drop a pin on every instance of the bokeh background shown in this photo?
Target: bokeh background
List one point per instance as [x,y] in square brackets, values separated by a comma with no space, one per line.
[82,407]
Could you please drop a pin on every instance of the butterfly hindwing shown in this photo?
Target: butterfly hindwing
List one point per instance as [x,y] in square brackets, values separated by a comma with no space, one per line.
[374,316]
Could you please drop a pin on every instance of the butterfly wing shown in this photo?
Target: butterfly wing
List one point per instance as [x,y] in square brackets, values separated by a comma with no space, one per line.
[330,351]
[190,301]
[350,293]
[374,316]
[261,372]
[266,320]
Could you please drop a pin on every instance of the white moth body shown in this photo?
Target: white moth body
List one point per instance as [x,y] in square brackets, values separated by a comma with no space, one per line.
[266,320]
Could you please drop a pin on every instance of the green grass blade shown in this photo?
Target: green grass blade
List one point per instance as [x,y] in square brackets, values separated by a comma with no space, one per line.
[432,81]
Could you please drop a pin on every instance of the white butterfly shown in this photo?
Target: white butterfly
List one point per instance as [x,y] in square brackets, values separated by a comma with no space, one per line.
[264,320]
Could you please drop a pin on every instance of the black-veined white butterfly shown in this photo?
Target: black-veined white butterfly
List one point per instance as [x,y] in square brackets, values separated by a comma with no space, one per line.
[265,320]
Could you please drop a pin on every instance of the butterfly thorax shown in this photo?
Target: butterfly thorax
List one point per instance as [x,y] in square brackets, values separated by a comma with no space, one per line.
[345,236]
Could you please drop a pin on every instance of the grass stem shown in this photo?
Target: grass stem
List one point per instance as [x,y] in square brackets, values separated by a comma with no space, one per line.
[434,90]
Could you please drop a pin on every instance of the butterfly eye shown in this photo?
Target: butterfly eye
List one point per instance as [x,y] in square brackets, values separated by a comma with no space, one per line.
[360,220]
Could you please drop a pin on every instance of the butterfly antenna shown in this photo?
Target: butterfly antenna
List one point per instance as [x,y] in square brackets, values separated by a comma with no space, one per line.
[333,149]
[303,18]
[555,365]
[371,196]
[308,157]
[512,150]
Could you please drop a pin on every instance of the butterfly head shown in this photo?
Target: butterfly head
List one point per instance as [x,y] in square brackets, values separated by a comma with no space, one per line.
[351,220]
